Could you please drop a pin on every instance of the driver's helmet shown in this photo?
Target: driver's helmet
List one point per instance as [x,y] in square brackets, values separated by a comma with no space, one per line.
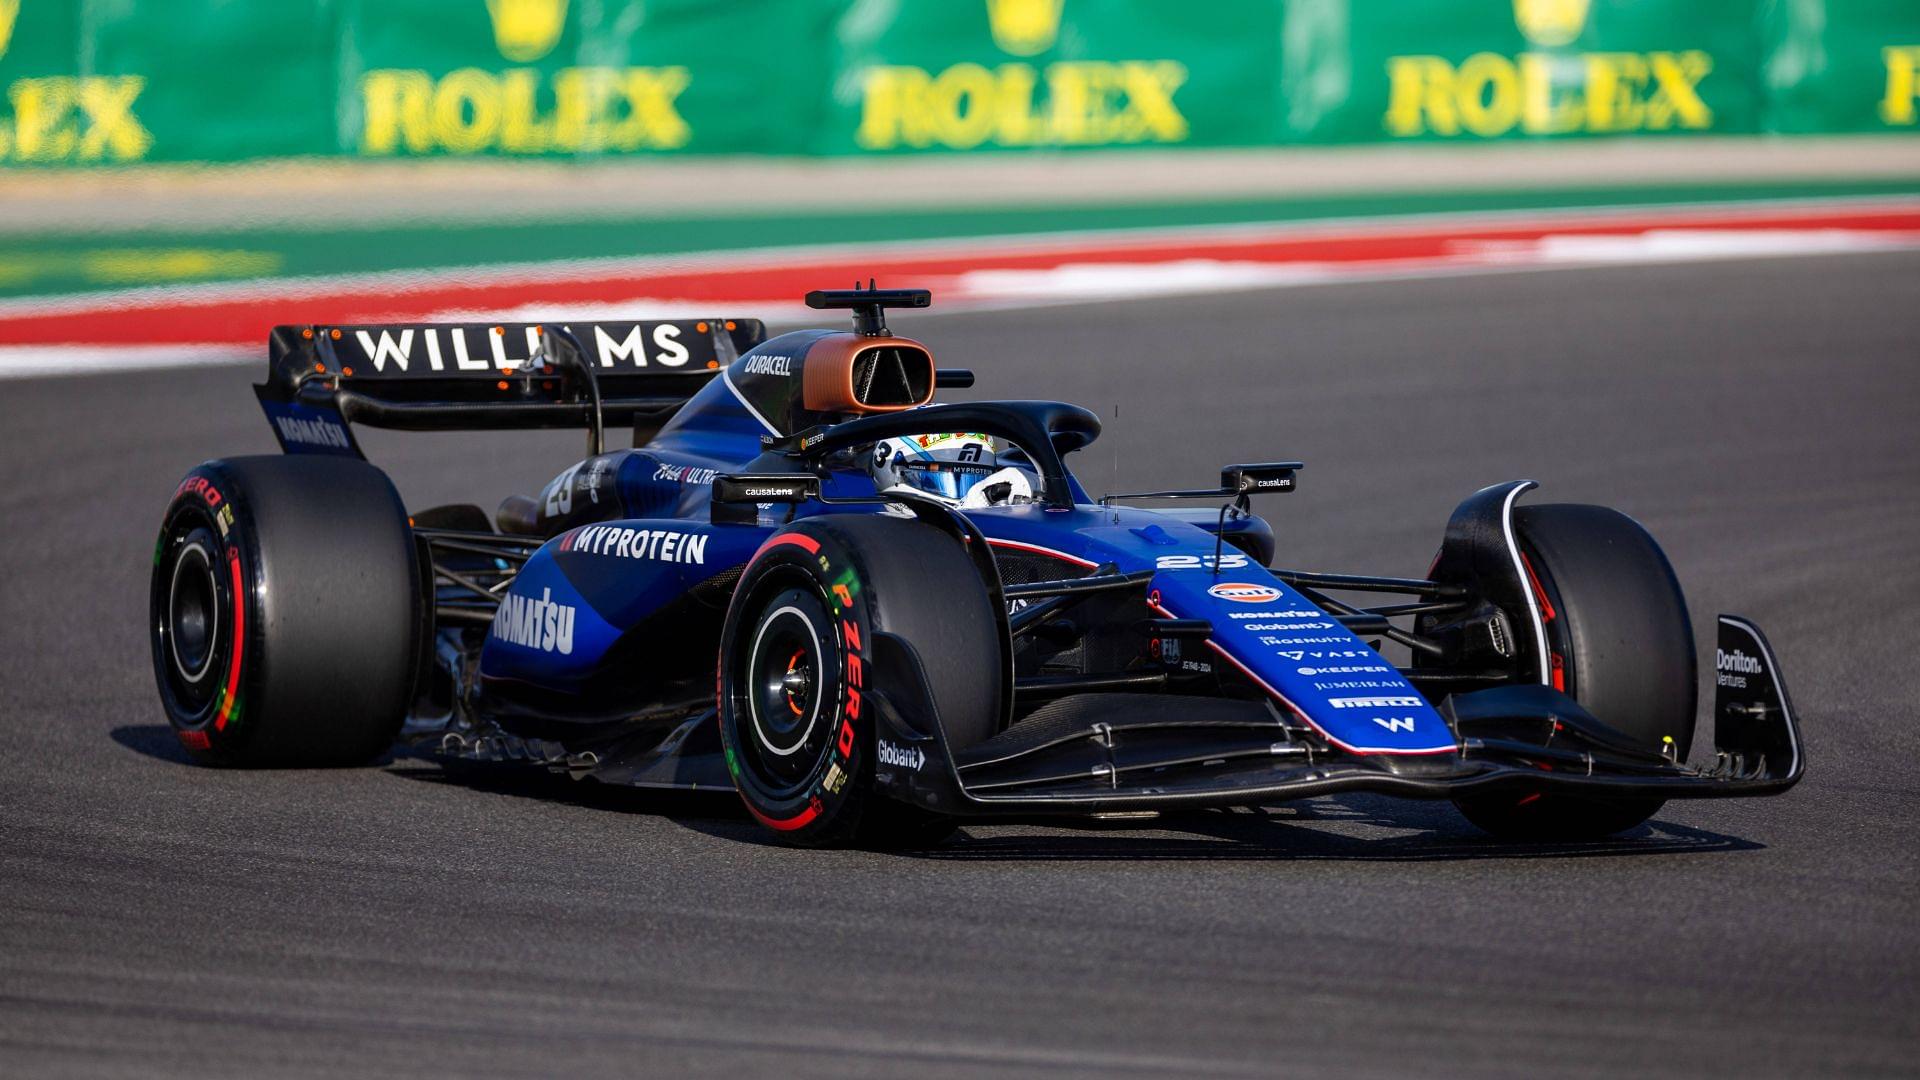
[961,469]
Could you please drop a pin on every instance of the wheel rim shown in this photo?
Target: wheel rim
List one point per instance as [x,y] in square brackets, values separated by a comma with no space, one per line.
[193,613]
[784,690]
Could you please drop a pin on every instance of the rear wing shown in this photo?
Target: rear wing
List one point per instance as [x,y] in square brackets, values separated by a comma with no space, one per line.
[486,376]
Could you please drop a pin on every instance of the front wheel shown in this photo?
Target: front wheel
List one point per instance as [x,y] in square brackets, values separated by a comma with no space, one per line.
[797,672]
[1619,642]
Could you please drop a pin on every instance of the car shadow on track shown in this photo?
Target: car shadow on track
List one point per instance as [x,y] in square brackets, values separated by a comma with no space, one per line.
[1350,828]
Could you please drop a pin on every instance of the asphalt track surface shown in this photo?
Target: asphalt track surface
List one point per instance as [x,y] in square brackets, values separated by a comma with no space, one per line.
[1762,418]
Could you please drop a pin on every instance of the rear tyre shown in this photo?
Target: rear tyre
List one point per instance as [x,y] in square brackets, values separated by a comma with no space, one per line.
[284,612]
[796,662]
[1621,644]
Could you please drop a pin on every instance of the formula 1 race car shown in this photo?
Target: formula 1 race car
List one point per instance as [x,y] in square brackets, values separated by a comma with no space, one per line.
[876,617]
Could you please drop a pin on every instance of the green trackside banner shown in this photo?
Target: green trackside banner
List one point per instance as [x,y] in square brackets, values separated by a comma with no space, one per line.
[110,82]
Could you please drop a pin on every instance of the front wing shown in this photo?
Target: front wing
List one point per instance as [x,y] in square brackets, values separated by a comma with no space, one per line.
[1098,753]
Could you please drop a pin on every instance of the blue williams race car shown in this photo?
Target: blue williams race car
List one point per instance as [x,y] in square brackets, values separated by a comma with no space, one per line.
[876,617]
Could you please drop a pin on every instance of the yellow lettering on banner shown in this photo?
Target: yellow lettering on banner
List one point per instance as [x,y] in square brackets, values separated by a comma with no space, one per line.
[466,111]
[61,118]
[1075,103]
[1490,95]
[522,131]
[470,110]
[1541,112]
[1903,84]
[112,131]
[1676,75]
[1420,96]
[41,110]
[1614,82]
[653,117]
[396,107]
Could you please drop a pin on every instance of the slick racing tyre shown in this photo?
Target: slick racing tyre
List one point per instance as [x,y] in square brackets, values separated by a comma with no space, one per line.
[796,666]
[285,611]
[1621,645]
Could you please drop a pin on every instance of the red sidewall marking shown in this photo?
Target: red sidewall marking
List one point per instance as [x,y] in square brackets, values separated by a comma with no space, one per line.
[239,641]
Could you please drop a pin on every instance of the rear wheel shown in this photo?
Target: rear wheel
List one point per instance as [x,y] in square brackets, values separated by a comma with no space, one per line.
[796,664]
[1620,643]
[284,611]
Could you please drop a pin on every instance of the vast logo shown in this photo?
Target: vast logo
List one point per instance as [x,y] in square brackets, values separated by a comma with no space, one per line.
[1548,93]
[1066,103]
[523,110]
[1024,27]
[1550,23]
[526,30]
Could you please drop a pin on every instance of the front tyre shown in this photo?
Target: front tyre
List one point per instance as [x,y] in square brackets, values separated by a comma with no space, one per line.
[284,612]
[797,672]
[1620,643]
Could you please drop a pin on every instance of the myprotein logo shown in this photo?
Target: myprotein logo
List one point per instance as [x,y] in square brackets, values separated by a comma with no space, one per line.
[1240,592]
[657,545]
[535,624]
[903,757]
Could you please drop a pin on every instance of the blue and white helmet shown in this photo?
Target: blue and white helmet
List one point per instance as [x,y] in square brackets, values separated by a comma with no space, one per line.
[961,469]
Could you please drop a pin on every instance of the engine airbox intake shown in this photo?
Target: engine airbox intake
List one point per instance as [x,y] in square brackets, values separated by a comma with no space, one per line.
[857,373]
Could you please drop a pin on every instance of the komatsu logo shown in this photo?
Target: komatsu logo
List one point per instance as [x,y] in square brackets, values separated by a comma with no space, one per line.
[535,624]
[311,432]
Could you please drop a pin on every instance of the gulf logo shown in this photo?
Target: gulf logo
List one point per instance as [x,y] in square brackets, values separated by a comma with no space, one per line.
[1239,592]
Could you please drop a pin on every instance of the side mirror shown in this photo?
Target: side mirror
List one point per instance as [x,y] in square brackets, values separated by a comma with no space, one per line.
[1271,478]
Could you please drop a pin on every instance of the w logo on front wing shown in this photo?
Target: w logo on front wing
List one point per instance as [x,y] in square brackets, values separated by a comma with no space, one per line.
[1395,723]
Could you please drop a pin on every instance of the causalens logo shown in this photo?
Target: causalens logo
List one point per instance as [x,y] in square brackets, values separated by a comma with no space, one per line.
[535,624]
